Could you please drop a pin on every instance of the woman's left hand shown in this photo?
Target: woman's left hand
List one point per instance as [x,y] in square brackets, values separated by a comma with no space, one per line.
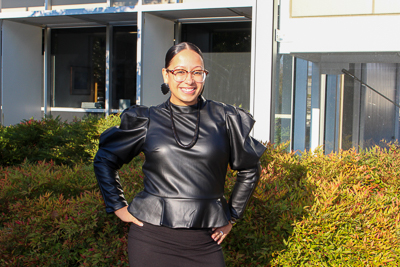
[221,232]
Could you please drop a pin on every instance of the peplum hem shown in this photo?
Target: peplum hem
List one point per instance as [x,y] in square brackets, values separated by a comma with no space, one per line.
[180,212]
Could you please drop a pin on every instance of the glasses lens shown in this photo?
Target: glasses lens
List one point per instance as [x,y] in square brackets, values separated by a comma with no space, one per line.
[198,75]
[180,75]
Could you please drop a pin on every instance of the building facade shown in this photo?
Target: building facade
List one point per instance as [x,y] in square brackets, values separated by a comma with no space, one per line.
[337,74]
[311,72]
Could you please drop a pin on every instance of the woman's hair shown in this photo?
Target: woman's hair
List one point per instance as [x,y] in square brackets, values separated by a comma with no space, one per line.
[174,50]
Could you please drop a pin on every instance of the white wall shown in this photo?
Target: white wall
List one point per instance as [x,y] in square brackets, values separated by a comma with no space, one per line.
[331,7]
[22,63]
[343,7]
[338,34]
[387,6]
[263,23]
[157,38]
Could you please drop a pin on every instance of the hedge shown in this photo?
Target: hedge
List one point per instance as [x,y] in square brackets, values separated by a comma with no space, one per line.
[54,216]
[353,218]
[341,209]
[53,139]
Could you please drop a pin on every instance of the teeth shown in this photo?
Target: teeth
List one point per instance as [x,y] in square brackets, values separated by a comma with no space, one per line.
[187,90]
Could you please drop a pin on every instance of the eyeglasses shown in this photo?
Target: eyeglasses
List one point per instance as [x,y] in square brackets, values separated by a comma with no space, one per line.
[197,75]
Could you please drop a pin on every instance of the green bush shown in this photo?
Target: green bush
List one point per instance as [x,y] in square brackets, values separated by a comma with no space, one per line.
[54,216]
[311,210]
[101,125]
[277,203]
[52,139]
[354,219]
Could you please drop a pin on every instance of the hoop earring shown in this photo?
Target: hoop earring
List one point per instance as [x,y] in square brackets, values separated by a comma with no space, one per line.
[165,88]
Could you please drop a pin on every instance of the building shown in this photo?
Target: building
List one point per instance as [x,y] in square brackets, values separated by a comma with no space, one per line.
[284,61]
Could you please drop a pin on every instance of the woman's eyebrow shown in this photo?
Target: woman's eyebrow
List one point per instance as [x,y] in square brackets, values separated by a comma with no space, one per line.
[183,67]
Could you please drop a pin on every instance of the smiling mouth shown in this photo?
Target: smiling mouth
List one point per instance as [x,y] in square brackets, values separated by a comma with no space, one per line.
[188,90]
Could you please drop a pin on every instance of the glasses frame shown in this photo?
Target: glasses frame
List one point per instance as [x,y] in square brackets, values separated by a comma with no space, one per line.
[191,74]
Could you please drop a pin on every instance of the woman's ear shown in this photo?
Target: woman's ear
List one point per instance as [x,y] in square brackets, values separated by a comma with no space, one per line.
[165,75]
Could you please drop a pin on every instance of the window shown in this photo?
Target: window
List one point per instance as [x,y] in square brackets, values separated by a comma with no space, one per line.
[319,100]
[124,67]
[78,67]
[226,48]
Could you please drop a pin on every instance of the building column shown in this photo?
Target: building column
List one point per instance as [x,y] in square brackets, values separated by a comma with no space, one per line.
[397,100]
[107,100]
[300,105]
[139,57]
[315,107]
[261,67]
[46,72]
[47,4]
[1,74]
[157,36]
[178,32]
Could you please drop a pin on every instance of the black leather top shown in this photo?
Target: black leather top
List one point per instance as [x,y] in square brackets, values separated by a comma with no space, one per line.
[182,187]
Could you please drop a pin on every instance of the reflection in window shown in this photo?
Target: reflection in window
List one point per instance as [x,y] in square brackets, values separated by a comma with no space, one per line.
[374,117]
[332,113]
[154,2]
[124,3]
[226,48]
[124,67]
[335,110]
[283,99]
[78,67]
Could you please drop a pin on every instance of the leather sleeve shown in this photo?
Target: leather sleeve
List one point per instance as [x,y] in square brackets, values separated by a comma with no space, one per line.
[118,145]
[245,155]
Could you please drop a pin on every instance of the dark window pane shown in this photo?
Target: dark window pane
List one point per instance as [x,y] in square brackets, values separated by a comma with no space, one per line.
[78,67]
[124,67]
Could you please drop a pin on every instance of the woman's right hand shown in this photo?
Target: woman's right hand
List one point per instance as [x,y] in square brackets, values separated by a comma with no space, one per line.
[125,216]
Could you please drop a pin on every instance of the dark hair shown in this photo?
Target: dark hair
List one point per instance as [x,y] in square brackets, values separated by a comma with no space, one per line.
[174,50]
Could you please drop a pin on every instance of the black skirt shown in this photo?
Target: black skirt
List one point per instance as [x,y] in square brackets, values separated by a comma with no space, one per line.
[153,246]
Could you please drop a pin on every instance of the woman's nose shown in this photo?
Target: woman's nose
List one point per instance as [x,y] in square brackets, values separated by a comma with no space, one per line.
[189,78]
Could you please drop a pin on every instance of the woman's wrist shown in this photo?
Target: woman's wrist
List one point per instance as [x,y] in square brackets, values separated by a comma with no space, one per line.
[233,221]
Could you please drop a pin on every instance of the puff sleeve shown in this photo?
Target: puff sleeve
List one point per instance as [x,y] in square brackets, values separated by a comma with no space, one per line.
[118,145]
[244,157]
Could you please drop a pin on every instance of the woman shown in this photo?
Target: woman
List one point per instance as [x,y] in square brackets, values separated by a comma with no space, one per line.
[181,217]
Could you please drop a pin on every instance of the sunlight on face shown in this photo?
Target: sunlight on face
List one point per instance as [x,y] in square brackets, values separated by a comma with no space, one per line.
[184,93]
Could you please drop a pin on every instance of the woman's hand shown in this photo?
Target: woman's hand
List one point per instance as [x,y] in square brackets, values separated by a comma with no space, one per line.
[221,232]
[125,216]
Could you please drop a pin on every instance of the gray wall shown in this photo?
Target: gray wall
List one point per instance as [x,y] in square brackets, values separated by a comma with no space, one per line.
[158,37]
[229,78]
[21,3]
[22,78]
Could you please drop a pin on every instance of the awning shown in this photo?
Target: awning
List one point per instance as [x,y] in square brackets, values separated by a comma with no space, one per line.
[127,15]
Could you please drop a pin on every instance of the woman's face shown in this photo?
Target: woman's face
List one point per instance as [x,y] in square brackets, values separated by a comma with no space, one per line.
[184,93]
